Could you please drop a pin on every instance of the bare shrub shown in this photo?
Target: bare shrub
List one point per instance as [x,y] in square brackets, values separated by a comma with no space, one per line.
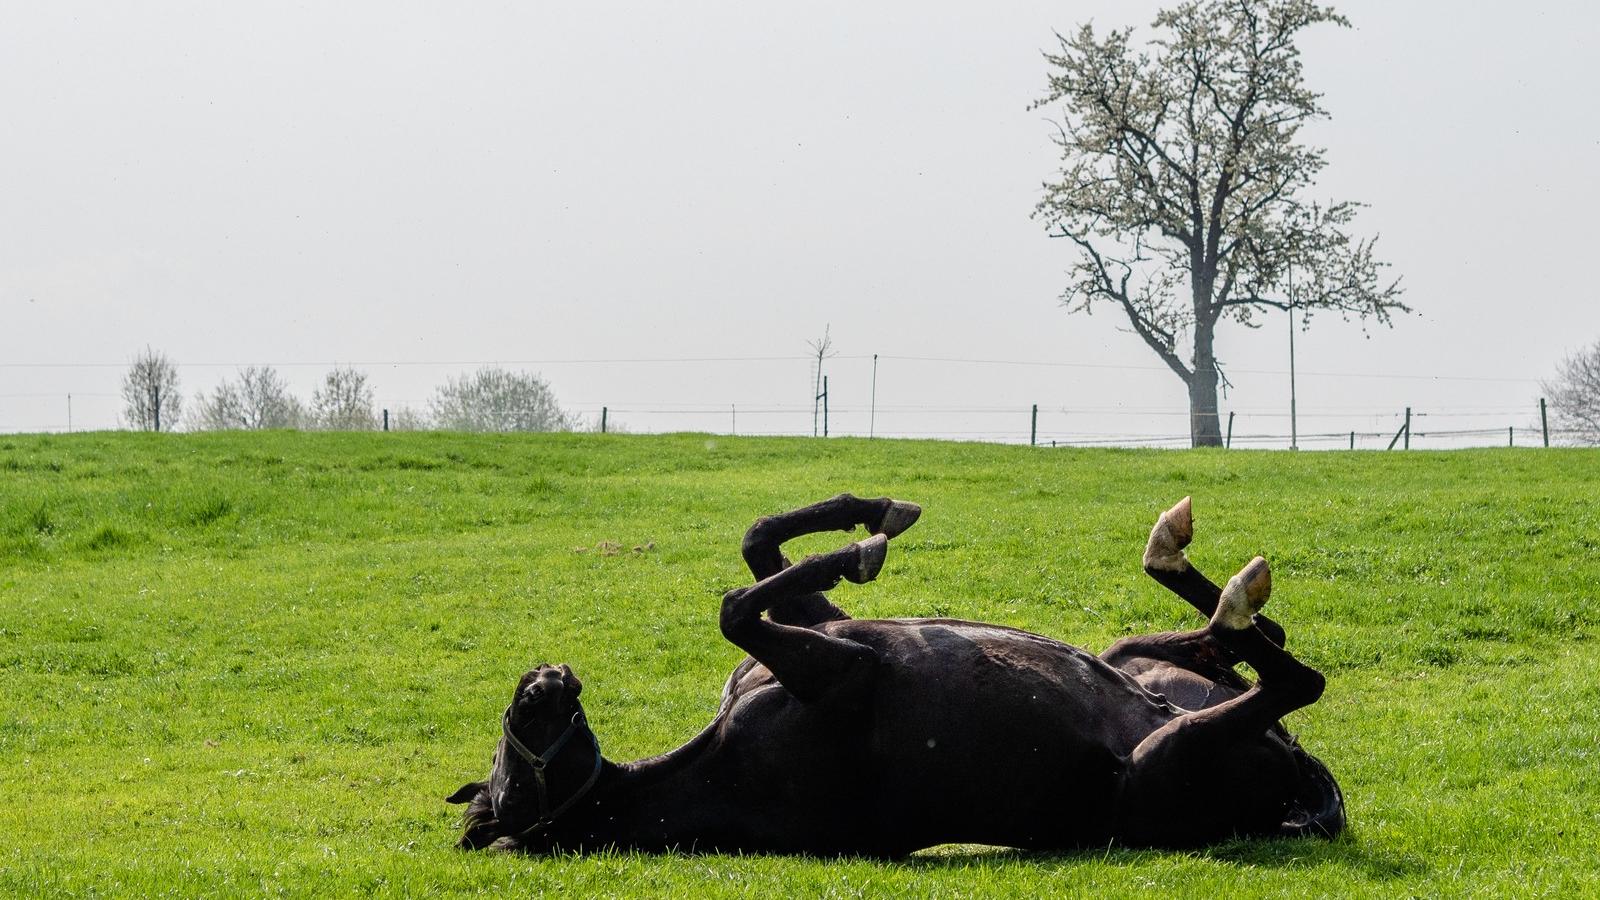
[258,399]
[150,393]
[407,418]
[1575,398]
[344,402]
[494,399]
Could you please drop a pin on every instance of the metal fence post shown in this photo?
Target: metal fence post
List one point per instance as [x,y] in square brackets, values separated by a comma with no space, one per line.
[824,406]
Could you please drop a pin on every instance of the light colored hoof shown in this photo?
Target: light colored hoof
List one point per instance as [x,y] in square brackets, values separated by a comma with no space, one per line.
[901,515]
[870,555]
[1244,596]
[1173,532]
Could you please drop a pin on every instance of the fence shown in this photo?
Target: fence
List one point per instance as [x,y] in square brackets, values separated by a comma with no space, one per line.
[1438,424]
[1413,427]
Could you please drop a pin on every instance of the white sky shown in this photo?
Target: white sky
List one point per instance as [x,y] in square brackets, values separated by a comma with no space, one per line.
[383,183]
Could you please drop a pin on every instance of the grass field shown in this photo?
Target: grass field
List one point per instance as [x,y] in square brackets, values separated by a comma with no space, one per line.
[244,664]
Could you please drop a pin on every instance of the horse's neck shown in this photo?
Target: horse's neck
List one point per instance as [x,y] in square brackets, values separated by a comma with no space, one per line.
[660,803]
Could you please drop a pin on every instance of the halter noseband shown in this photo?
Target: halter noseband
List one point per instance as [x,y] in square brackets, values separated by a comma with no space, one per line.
[547,816]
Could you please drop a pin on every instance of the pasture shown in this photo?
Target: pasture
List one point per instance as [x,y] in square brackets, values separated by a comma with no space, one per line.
[254,664]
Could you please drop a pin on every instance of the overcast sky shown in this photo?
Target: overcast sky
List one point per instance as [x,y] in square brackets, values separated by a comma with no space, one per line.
[418,189]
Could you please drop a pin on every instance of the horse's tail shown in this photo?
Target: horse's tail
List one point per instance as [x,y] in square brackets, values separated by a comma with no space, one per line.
[1318,810]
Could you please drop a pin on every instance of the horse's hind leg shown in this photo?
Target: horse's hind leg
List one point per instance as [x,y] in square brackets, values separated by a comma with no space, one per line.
[1190,668]
[1205,770]
[763,542]
[812,665]
[1165,561]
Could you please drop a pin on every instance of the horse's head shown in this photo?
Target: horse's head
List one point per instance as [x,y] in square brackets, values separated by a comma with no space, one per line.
[546,760]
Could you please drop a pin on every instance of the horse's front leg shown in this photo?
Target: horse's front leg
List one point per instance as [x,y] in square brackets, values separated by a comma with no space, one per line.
[811,665]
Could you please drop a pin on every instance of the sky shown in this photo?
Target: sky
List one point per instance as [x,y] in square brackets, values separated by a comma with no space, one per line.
[658,206]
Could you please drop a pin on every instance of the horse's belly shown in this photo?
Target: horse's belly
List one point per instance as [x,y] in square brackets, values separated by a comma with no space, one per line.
[972,734]
[991,735]
[1037,782]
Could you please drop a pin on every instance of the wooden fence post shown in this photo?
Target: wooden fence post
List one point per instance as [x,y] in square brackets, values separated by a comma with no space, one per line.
[1544,422]
[1033,429]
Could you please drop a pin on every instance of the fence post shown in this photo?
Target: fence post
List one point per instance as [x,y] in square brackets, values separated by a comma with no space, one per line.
[603,411]
[1396,439]
[1352,440]
[872,416]
[1228,445]
[386,420]
[824,406]
[1033,429]
[1544,422]
[1511,435]
[1408,428]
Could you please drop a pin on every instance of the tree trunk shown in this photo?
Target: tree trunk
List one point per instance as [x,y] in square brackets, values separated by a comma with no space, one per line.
[1205,424]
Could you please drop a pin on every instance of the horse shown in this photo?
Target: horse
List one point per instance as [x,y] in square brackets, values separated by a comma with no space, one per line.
[877,738]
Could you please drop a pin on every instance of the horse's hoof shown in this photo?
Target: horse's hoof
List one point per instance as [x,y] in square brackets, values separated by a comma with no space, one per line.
[870,555]
[1244,596]
[901,515]
[1173,532]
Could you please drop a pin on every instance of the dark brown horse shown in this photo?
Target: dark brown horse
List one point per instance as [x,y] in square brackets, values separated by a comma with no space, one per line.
[884,737]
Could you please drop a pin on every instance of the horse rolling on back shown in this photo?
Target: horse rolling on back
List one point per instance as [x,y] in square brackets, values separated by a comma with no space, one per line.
[882,737]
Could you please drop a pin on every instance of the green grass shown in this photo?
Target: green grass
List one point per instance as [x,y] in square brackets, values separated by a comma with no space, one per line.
[241,664]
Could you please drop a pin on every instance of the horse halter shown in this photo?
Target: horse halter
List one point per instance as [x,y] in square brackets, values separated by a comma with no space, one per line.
[547,816]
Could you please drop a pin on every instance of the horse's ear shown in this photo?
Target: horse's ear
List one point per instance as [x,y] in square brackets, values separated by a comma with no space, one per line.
[467,792]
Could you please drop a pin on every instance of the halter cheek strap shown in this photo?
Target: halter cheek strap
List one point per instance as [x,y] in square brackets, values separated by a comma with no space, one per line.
[547,816]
